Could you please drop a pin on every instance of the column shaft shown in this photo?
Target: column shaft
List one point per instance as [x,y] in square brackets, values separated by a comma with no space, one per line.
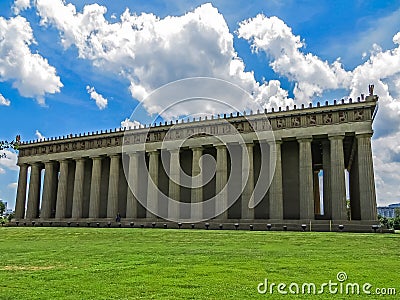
[221,189]
[112,204]
[152,185]
[61,204]
[366,178]
[94,202]
[48,190]
[276,188]
[197,184]
[247,185]
[21,192]
[306,179]
[133,186]
[338,186]
[77,202]
[34,192]
[174,187]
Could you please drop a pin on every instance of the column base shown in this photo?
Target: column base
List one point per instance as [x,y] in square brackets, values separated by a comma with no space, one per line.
[226,224]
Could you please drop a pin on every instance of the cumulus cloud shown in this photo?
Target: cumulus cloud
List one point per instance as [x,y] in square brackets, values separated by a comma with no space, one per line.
[20,5]
[9,161]
[4,101]
[29,72]
[39,136]
[150,51]
[101,102]
[130,124]
[311,75]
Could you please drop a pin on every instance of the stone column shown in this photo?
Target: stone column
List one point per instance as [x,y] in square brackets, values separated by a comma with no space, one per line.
[247,185]
[197,180]
[112,204]
[326,165]
[366,177]
[32,211]
[221,182]
[77,201]
[276,188]
[306,179]
[95,187]
[61,204]
[152,185]
[174,188]
[338,185]
[133,186]
[48,190]
[21,192]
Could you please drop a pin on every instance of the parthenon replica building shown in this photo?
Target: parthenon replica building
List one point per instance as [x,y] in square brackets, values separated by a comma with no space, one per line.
[90,180]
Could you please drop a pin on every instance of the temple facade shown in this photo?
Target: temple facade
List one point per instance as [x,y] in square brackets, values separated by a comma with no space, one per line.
[120,178]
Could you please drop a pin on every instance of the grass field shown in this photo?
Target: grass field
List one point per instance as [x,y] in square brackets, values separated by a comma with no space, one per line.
[118,263]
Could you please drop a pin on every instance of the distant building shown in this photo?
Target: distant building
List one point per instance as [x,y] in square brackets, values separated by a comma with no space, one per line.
[388,211]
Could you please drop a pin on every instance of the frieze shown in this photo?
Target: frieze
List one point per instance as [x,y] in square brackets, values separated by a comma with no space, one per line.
[278,120]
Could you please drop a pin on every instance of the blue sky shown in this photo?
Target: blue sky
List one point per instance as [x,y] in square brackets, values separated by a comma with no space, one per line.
[90,71]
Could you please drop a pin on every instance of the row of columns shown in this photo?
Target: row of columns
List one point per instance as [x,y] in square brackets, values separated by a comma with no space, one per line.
[333,167]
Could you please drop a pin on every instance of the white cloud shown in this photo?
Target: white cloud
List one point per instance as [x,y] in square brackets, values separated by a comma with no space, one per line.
[151,52]
[4,101]
[9,161]
[101,102]
[12,185]
[130,124]
[30,73]
[20,5]
[2,171]
[39,136]
[311,75]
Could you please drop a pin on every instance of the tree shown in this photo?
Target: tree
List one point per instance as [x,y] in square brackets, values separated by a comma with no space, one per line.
[397,212]
[9,145]
[2,208]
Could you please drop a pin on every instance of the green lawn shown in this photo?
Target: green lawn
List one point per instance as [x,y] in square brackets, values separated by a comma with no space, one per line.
[125,263]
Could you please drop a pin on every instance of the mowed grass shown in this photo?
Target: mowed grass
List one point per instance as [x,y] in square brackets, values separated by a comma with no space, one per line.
[125,263]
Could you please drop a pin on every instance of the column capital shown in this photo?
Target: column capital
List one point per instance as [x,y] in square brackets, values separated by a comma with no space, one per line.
[197,147]
[173,150]
[114,155]
[304,139]
[275,142]
[132,152]
[364,135]
[247,144]
[220,146]
[96,157]
[64,161]
[336,136]
[21,165]
[78,159]
[152,152]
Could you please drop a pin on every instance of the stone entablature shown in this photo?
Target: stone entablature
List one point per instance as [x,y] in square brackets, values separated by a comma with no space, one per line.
[336,114]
